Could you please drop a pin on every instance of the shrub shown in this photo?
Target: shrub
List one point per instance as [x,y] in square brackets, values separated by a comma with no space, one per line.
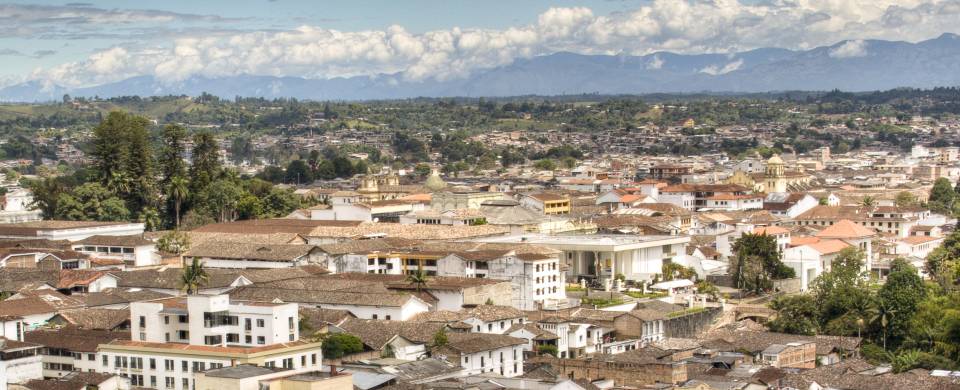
[336,345]
[547,349]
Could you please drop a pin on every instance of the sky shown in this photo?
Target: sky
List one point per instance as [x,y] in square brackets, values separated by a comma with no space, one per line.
[89,43]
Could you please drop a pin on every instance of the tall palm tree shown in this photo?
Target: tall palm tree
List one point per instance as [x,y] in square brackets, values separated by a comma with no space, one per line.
[194,276]
[178,191]
[868,201]
[419,278]
[882,315]
[119,183]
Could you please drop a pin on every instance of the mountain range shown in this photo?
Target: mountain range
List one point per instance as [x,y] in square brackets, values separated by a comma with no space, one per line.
[848,65]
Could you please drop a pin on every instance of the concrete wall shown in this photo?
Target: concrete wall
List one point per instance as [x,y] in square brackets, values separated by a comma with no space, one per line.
[689,326]
[622,374]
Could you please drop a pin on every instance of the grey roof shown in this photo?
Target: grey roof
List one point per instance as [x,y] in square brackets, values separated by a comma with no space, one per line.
[365,380]
[242,371]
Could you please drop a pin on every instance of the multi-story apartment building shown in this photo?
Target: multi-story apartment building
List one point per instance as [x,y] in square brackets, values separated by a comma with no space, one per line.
[175,338]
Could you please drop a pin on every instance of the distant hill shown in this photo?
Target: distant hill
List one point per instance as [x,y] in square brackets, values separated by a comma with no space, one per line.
[848,65]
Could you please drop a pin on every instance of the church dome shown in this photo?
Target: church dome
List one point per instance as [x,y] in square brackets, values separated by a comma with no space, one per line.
[434,182]
[775,159]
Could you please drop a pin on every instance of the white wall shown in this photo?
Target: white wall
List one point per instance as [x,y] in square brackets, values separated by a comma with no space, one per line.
[509,359]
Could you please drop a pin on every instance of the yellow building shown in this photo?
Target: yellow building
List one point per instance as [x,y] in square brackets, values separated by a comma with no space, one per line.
[547,203]
[250,377]
[775,178]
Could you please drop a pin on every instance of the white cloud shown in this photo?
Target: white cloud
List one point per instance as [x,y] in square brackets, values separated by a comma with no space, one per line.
[655,62]
[714,70]
[850,49]
[684,26]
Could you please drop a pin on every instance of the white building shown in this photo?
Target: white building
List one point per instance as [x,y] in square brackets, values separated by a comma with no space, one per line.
[19,362]
[68,230]
[603,257]
[175,338]
[810,261]
[134,251]
[479,353]
[16,207]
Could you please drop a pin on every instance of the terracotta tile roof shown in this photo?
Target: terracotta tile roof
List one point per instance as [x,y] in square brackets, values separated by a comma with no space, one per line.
[318,318]
[74,339]
[329,298]
[846,228]
[13,345]
[94,318]
[856,374]
[375,334]
[271,226]
[829,246]
[468,343]
[73,381]
[803,240]
[250,251]
[420,232]
[917,240]
[128,241]
[770,230]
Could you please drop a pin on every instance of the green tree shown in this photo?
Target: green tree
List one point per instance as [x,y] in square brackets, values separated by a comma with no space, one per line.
[193,277]
[545,165]
[906,199]
[440,338]
[881,315]
[91,202]
[901,294]
[205,168]
[298,172]
[171,153]
[422,169]
[868,201]
[249,207]
[279,203]
[796,314]
[178,189]
[842,290]
[174,241]
[942,197]
[219,200]
[337,345]
[757,262]
[419,279]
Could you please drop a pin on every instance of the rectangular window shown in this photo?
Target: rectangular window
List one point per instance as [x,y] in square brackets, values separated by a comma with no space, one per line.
[143,321]
[168,382]
[168,364]
[247,324]
[184,366]
[106,360]
[290,323]
[153,381]
[248,339]
[186,383]
[260,323]
[261,340]
[233,338]
[153,364]
[183,319]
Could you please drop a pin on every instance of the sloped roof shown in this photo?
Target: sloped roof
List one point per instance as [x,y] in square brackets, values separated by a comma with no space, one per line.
[846,228]
[829,246]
